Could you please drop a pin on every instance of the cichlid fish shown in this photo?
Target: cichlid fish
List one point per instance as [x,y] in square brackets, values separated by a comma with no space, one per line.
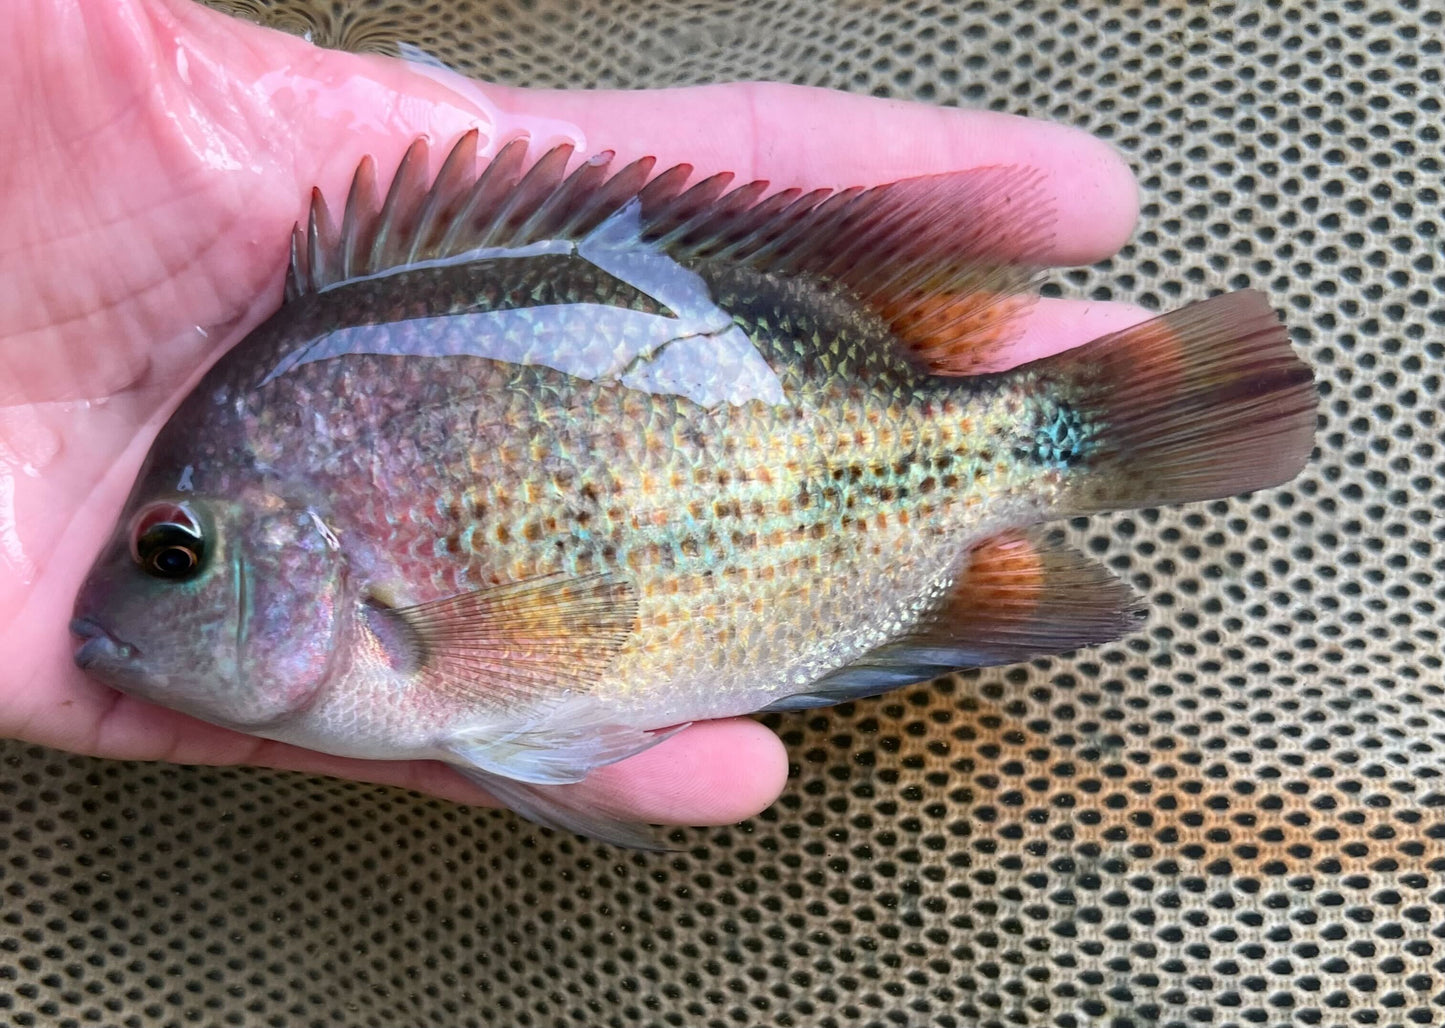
[533,467]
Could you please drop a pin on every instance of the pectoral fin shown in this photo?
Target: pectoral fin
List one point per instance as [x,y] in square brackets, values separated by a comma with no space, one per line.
[528,655]
[1020,596]
[523,645]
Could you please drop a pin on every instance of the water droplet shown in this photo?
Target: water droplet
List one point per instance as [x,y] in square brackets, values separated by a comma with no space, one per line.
[476,107]
[12,552]
[26,439]
[28,445]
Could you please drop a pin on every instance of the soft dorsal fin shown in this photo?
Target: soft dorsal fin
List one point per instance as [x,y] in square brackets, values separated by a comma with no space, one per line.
[945,259]
[1021,595]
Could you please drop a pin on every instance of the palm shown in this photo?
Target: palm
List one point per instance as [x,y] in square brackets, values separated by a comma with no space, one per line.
[160,154]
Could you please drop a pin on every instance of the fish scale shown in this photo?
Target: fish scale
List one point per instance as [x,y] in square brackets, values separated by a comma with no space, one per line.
[525,489]
[863,497]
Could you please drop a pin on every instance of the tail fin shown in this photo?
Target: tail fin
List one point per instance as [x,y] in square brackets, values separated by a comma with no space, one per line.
[1203,403]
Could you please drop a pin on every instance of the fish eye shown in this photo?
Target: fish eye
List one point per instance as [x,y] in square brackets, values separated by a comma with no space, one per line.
[167,542]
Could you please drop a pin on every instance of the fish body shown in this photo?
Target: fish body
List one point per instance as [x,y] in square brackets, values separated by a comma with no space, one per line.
[525,501]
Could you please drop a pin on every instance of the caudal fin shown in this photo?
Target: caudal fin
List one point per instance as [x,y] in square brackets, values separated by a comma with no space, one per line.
[1206,402]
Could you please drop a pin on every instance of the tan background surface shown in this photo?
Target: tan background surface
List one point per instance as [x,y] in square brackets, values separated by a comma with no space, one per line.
[1236,817]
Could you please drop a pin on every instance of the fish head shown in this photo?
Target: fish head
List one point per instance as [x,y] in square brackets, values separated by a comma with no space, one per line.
[230,611]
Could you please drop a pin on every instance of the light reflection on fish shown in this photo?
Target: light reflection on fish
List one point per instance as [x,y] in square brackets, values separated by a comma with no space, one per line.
[532,467]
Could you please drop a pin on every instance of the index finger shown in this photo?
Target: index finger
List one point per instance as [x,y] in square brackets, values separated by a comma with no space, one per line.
[804,136]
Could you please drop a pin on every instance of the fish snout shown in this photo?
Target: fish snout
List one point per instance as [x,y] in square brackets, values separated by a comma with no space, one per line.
[98,645]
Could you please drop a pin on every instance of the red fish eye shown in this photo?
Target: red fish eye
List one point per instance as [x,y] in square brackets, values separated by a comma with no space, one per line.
[164,514]
[166,540]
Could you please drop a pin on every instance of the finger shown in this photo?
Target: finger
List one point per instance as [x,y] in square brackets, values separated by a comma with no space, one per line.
[802,136]
[712,773]
[328,104]
[1052,326]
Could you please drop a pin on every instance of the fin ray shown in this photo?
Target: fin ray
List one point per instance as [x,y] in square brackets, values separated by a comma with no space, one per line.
[521,643]
[551,807]
[395,225]
[532,190]
[561,202]
[490,187]
[439,208]
[612,194]
[359,220]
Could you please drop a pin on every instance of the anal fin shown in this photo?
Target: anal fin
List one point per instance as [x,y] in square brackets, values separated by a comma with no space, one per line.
[1021,595]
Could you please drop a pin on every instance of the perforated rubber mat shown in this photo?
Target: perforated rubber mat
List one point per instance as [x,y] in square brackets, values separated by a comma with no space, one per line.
[1236,817]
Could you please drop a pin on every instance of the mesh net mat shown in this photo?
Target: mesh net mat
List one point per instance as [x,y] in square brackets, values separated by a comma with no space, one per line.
[1235,817]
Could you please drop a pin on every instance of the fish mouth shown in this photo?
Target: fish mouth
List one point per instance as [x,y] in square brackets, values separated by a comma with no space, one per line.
[98,645]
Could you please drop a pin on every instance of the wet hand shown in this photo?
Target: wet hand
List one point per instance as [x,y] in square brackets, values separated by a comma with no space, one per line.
[157,159]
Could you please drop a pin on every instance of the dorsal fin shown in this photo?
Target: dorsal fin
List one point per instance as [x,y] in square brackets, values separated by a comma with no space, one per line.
[942,258]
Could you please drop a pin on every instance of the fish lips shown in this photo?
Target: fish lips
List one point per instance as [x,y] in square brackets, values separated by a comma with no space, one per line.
[99,649]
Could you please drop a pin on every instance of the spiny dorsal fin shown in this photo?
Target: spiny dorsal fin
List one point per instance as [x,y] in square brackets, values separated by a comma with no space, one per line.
[1022,595]
[945,259]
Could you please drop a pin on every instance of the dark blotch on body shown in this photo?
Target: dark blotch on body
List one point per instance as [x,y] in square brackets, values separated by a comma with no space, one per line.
[1060,438]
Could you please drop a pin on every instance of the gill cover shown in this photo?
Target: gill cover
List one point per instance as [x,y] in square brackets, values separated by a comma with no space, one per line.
[290,611]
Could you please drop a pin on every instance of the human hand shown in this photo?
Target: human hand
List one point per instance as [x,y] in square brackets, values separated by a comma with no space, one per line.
[158,155]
